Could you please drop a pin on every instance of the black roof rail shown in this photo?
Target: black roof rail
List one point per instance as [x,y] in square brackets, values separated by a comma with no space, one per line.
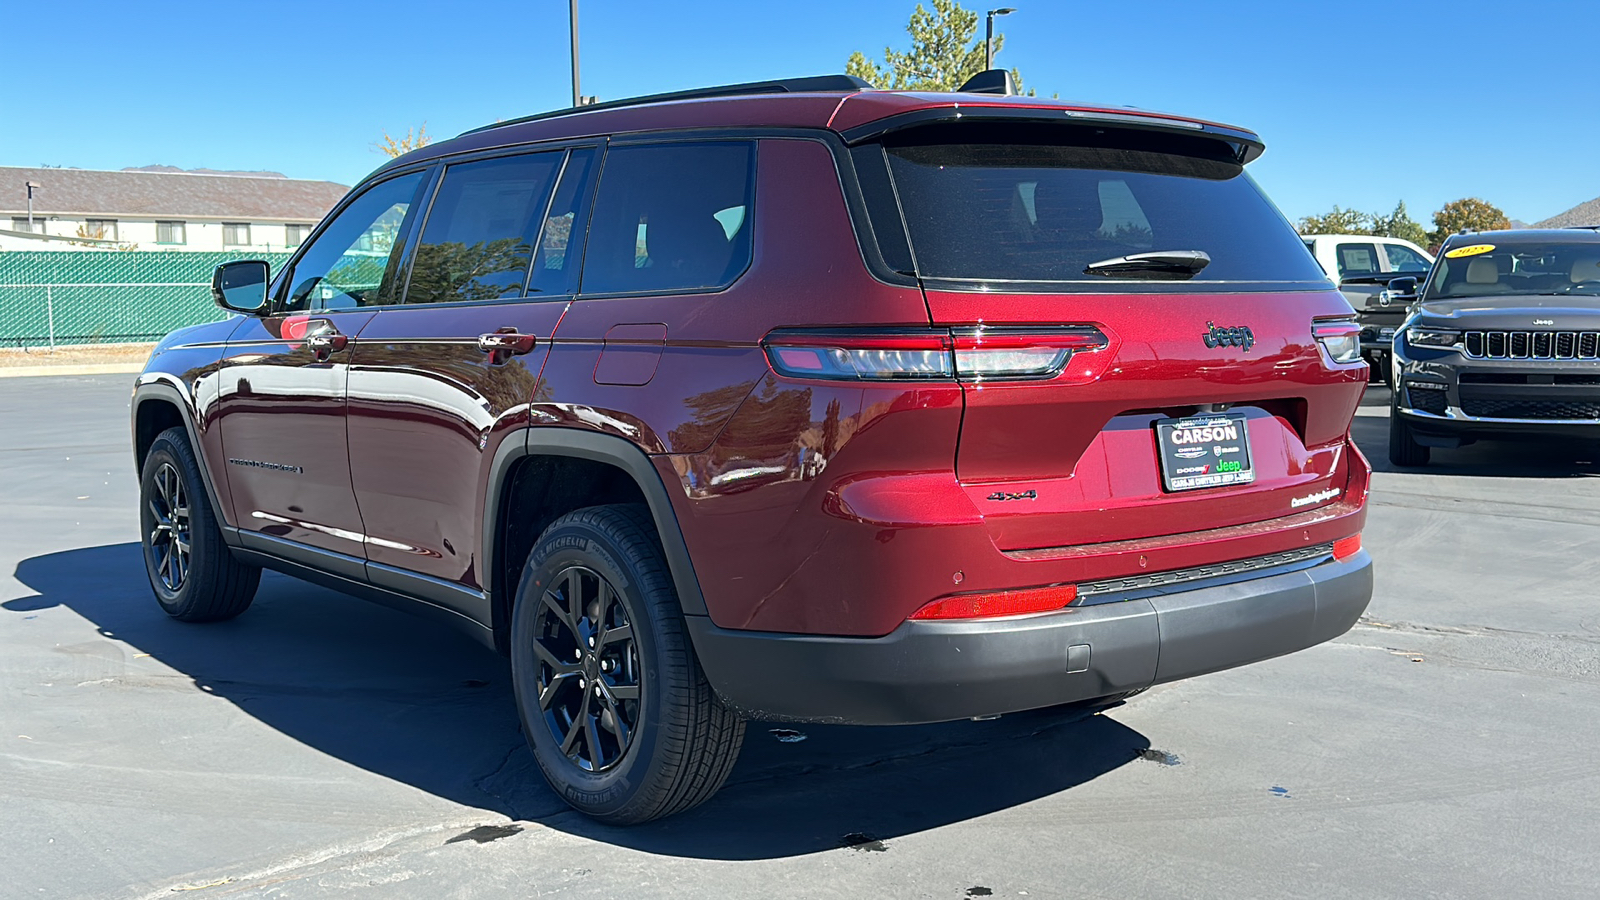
[1588,227]
[816,84]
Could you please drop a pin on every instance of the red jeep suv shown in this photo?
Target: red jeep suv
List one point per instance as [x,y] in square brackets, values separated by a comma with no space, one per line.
[785,401]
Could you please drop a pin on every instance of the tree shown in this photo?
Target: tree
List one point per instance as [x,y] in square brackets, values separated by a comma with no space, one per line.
[1470,213]
[1339,221]
[1399,224]
[393,147]
[942,57]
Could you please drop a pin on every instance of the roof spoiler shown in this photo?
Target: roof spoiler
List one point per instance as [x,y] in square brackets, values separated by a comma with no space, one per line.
[1244,146]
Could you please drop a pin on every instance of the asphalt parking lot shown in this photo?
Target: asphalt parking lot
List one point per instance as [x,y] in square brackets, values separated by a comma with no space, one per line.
[319,746]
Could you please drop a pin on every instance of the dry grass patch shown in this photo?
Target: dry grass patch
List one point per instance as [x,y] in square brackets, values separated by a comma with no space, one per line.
[88,355]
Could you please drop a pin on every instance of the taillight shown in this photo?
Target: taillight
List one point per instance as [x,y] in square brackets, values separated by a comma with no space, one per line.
[999,603]
[1340,337]
[1344,548]
[969,354]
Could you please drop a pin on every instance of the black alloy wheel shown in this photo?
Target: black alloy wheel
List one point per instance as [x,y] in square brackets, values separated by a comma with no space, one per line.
[167,529]
[589,676]
[616,709]
[193,574]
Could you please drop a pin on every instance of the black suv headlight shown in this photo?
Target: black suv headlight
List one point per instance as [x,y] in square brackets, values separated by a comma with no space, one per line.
[1423,336]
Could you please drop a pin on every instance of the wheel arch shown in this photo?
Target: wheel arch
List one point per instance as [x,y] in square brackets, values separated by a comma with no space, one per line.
[549,472]
[159,405]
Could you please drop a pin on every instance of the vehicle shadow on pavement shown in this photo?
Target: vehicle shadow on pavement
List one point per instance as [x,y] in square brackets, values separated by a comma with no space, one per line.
[1540,456]
[397,696]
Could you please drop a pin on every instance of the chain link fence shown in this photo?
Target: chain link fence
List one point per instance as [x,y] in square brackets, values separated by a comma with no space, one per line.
[50,298]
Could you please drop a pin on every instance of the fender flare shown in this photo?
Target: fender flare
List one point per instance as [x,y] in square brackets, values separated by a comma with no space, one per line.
[153,386]
[603,448]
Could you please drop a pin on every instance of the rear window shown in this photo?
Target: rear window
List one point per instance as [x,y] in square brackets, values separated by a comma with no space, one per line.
[1033,210]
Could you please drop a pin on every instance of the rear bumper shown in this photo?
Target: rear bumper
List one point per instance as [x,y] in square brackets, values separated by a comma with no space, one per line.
[939,671]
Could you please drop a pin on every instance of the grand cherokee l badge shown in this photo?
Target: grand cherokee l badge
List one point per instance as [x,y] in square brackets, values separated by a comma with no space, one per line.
[1235,336]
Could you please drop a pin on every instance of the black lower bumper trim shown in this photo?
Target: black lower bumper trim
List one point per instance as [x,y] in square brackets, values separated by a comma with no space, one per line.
[926,671]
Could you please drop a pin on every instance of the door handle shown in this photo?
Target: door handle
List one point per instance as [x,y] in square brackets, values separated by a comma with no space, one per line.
[327,343]
[506,343]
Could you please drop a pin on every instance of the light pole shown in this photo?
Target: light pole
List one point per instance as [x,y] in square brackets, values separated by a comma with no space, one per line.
[30,185]
[988,34]
[577,93]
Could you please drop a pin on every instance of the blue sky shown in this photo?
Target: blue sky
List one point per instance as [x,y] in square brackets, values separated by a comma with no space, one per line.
[1361,103]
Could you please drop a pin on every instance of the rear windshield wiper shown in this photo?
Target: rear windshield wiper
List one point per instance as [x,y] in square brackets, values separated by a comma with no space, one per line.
[1178,263]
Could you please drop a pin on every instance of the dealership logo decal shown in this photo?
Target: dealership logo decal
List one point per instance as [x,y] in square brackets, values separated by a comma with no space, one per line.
[1318,497]
[1229,336]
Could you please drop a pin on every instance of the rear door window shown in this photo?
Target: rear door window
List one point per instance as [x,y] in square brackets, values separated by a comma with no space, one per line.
[477,241]
[555,263]
[671,217]
[1029,206]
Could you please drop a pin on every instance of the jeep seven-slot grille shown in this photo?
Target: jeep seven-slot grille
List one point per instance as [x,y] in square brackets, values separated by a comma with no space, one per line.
[1532,344]
[1107,591]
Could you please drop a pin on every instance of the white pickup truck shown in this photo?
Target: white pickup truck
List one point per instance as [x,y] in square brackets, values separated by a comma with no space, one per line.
[1362,265]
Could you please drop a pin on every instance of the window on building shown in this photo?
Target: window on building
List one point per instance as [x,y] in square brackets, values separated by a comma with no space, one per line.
[100,229]
[235,234]
[477,243]
[671,217]
[170,233]
[295,235]
[20,223]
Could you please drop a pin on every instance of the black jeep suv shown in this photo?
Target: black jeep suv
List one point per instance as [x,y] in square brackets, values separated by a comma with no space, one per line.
[1504,339]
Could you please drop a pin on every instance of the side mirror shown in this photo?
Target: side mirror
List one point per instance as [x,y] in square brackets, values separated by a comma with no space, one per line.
[1403,286]
[241,286]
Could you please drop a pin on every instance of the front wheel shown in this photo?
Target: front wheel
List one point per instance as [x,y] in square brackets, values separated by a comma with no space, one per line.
[193,574]
[614,704]
[1403,447]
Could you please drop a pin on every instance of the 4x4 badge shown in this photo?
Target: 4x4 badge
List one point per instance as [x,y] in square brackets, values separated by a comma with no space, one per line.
[1234,336]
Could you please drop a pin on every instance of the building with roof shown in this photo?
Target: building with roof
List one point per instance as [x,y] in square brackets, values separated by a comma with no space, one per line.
[159,209]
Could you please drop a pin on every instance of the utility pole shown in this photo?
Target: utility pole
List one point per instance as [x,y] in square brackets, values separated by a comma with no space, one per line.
[577,92]
[988,35]
[31,186]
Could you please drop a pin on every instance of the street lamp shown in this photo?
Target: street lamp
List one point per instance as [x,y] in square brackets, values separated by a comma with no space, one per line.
[577,93]
[30,185]
[988,33]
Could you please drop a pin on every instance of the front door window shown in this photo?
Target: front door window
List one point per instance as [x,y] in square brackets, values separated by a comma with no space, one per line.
[354,261]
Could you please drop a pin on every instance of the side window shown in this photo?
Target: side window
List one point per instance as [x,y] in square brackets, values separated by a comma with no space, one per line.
[671,217]
[1357,259]
[1404,259]
[477,241]
[555,264]
[352,263]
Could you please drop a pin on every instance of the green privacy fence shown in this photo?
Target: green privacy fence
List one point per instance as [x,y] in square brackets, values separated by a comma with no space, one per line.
[48,298]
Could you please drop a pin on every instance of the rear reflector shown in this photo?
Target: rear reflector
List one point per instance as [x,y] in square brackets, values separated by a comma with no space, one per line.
[940,354]
[1344,548]
[999,603]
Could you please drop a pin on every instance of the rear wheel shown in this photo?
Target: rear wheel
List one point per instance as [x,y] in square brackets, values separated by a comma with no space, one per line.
[1403,447]
[614,704]
[193,574]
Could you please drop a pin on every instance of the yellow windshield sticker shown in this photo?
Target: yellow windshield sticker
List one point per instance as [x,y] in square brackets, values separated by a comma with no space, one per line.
[1473,250]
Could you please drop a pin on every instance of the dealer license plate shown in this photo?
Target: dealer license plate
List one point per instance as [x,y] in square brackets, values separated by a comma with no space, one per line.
[1204,451]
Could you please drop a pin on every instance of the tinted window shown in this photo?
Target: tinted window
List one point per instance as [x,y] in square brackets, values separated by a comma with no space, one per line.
[352,263]
[1018,207]
[555,265]
[1357,259]
[1405,259]
[477,242]
[671,217]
